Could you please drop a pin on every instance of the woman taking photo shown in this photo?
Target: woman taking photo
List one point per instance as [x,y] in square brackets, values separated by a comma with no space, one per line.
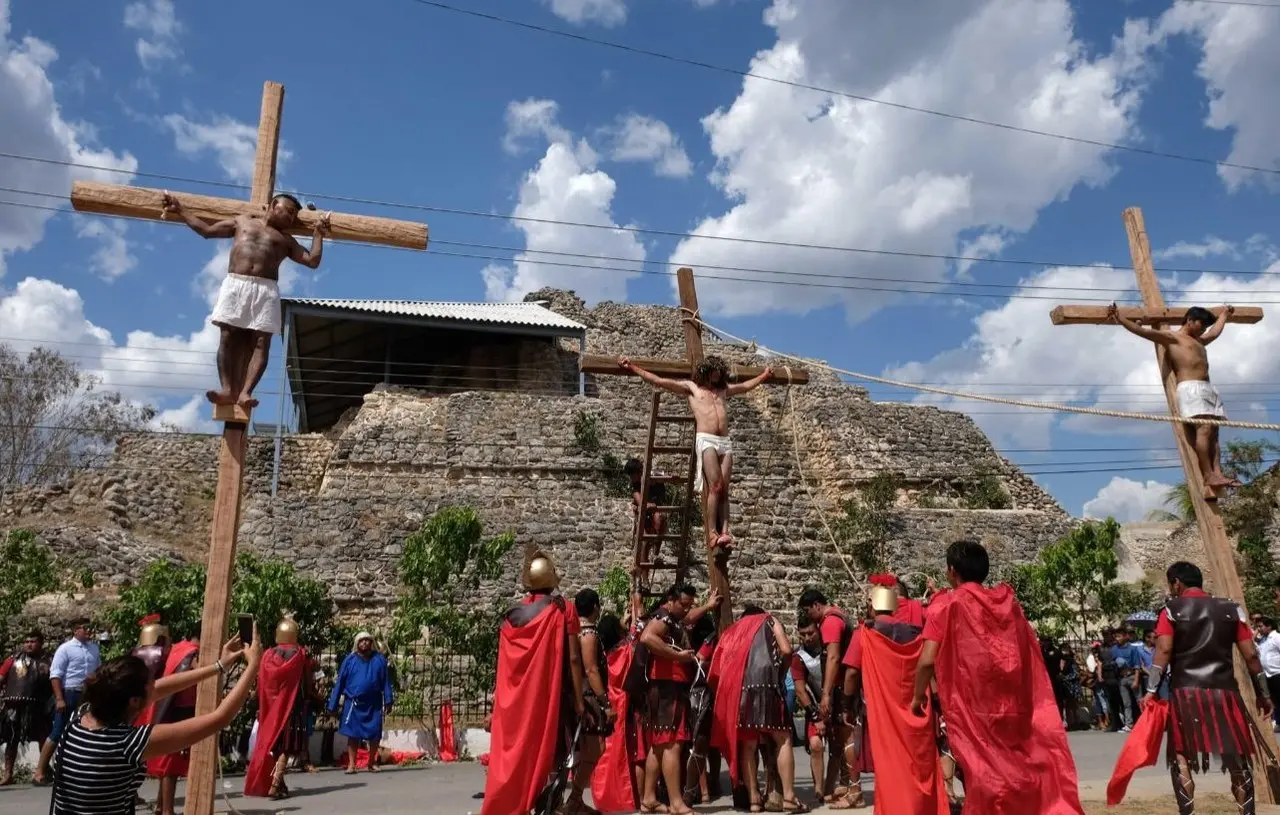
[100,760]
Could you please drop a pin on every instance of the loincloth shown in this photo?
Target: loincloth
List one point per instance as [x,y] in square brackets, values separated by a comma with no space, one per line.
[246,302]
[1199,398]
[709,441]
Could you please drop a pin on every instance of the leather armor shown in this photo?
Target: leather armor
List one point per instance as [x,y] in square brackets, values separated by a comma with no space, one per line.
[1204,634]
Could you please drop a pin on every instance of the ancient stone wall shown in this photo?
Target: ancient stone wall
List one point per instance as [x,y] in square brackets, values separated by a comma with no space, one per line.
[348,498]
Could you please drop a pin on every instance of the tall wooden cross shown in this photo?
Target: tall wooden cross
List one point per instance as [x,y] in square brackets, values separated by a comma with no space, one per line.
[717,562]
[139,202]
[1218,548]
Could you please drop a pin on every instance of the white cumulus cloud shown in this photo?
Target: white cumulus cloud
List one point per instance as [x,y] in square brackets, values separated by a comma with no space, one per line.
[158,25]
[804,166]
[113,257]
[643,138]
[33,124]
[607,13]
[1127,500]
[566,185]
[232,143]
[1211,245]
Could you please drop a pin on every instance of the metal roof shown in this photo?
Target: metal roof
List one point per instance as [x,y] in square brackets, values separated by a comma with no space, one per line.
[531,314]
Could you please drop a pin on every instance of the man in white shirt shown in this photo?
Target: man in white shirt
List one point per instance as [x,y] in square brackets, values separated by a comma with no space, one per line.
[73,663]
[1269,651]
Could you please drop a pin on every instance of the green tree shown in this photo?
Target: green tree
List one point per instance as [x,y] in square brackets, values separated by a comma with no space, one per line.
[1072,586]
[27,570]
[263,587]
[1181,508]
[1248,514]
[867,526]
[615,589]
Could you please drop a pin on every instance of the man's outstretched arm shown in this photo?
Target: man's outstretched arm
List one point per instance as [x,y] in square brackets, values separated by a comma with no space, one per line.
[751,384]
[1153,334]
[1214,331]
[221,229]
[673,385]
[311,257]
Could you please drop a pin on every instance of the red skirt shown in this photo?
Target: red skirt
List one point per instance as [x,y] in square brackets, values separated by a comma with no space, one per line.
[1205,723]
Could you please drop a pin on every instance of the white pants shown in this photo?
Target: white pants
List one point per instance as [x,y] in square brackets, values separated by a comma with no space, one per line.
[248,302]
[709,441]
[1199,398]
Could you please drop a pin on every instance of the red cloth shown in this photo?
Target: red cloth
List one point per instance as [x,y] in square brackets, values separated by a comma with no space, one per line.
[612,785]
[448,741]
[526,710]
[1002,720]
[831,629]
[1141,749]
[279,683]
[728,668]
[1164,627]
[391,757]
[572,624]
[909,779]
[173,765]
[910,611]
[4,668]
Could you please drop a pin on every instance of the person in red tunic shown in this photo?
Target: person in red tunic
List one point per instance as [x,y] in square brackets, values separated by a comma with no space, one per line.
[538,698]
[806,673]
[169,710]
[282,713]
[1002,717]
[842,790]
[1195,637]
[670,673]
[879,681]
[747,677]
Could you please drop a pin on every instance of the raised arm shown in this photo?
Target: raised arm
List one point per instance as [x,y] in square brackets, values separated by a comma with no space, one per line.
[174,683]
[713,601]
[220,229]
[1153,334]
[673,385]
[311,257]
[751,384]
[1214,331]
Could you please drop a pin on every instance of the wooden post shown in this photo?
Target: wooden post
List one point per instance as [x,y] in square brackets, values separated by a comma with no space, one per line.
[139,202]
[217,604]
[1218,546]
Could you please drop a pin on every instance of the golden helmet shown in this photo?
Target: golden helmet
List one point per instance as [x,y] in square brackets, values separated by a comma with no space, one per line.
[884,599]
[287,631]
[152,632]
[540,573]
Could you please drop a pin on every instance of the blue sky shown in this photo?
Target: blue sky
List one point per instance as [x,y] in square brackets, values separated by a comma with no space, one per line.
[409,103]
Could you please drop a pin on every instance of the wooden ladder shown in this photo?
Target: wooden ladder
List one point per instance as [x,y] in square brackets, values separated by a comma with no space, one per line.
[678,569]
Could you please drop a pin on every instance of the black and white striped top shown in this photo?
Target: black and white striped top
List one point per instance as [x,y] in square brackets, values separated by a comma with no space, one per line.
[99,771]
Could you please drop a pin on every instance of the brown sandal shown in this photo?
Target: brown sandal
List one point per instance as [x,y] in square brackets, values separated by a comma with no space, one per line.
[794,805]
[848,801]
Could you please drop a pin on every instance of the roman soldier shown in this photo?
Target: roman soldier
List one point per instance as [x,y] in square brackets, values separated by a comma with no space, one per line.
[26,702]
[181,706]
[285,686]
[153,644]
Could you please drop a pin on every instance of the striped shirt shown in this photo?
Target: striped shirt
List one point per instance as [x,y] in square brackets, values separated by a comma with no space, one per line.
[99,771]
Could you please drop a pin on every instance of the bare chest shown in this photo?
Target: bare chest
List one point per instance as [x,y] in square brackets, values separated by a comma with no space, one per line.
[260,243]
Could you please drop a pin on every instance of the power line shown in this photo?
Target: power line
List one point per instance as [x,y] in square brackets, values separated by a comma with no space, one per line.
[610,227]
[845,94]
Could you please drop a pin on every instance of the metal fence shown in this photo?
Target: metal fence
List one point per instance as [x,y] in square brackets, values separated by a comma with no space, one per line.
[423,681]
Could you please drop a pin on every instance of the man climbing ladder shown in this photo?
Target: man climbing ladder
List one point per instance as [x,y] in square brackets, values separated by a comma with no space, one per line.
[707,393]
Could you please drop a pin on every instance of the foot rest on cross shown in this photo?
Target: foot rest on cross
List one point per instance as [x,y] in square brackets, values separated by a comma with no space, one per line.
[231,413]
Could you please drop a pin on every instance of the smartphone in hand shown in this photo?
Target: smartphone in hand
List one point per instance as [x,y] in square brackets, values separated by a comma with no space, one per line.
[245,621]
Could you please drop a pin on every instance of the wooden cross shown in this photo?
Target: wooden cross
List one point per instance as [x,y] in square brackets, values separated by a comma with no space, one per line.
[717,566]
[1218,547]
[139,202]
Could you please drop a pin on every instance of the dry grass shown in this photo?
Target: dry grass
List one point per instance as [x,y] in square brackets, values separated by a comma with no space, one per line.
[1211,804]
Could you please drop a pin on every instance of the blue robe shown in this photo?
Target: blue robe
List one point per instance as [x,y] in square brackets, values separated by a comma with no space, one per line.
[366,685]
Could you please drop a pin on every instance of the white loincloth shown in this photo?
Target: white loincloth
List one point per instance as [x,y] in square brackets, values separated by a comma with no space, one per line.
[709,441]
[1199,398]
[248,302]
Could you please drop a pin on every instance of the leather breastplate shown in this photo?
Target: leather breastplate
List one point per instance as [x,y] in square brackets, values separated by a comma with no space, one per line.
[28,678]
[154,656]
[1204,633]
[899,632]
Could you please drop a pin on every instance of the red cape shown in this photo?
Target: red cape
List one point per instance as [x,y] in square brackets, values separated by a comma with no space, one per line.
[526,712]
[909,779]
[612,785]
[279,682]
[174,764]
[1002,719]
[910,611]
[1141,749]
[728,667]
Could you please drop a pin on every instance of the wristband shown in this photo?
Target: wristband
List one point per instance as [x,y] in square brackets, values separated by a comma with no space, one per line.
[1260,684]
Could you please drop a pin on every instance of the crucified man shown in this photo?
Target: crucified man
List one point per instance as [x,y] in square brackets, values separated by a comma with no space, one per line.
[707,393]
[248,307]
[1197,397]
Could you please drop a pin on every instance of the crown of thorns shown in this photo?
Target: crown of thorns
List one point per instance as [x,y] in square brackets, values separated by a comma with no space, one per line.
[702,373]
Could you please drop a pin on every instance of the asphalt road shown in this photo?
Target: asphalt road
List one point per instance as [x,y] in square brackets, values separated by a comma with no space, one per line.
[449,788]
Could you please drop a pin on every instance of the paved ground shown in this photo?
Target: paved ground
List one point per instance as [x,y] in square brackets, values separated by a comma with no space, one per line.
[448,788]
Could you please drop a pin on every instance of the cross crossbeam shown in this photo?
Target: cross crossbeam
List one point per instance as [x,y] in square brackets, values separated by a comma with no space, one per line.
[717,559]
[147,204]
[1218,547]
